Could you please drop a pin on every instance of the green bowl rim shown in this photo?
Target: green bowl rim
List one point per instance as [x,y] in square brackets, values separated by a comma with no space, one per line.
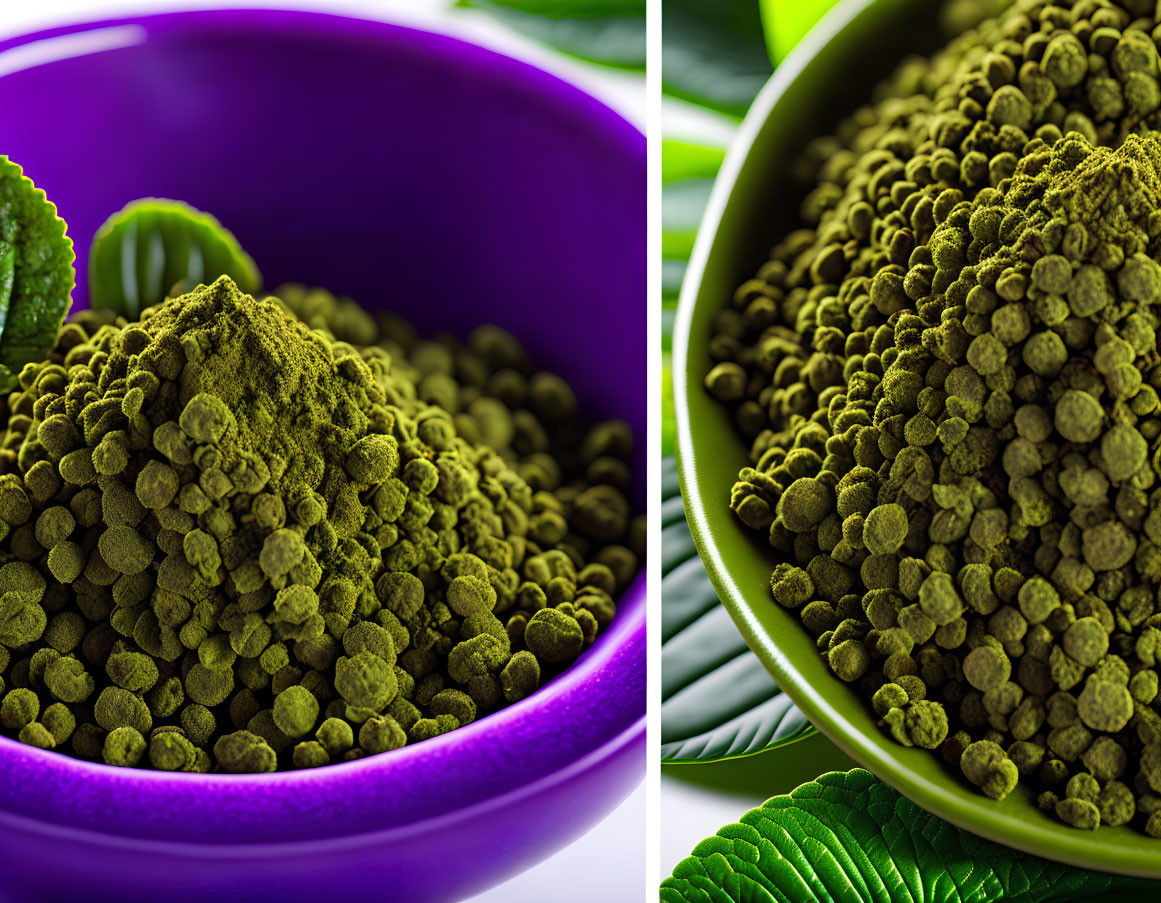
[955,803]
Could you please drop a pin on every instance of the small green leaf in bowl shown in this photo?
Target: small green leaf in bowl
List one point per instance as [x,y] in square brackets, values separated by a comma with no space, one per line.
[36,272]
[848,836]
[141,253]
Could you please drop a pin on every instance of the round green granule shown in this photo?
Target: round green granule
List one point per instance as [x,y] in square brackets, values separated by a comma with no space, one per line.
[380,734]
[123,746]
[1124,451]
[986,765]
[18,708]
[1079,813]
[157,484]
[1086,641]
[208,687]
[295,711]
[466,594]
[365,681]
[134,671]
[310,754]
[553,636]
[849,660]
[1108,546]
[926,723]
[66,561]
[59,720]
[804,504]
[116,707]
[206,418]
[1065,62]
[1104,705]
[244,753]
[1079,416]
[281,551]
[885,529]
[521,676]
[939,599]
[1037,600]
[198,722]
[987,354]
[1045,353]
[336,736]
[170,751]
[22,620]
[372,459]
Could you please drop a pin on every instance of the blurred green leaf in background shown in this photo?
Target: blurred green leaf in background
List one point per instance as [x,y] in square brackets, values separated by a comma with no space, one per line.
[716,55]
[609,32]
[713,53]
[786,22]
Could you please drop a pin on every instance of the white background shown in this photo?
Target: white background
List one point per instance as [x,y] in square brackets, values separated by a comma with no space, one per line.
[608,863]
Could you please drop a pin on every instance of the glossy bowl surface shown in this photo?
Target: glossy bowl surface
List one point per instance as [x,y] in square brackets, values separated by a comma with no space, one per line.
[414,172]
[753,203]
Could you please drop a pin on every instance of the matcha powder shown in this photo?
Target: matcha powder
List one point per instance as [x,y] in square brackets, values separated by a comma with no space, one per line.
[233,541]
[950,378]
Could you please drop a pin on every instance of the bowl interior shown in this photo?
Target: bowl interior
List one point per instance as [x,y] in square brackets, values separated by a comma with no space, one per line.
[414,172]
[754,202]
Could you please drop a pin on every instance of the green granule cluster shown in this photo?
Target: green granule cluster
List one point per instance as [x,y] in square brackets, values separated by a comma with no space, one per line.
[950,378]
[242,535]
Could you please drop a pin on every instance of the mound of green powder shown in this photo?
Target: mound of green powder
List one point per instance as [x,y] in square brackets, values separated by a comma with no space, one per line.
[950,378]
[242,535]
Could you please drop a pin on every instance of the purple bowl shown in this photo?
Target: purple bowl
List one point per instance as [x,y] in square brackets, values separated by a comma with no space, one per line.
[488,191]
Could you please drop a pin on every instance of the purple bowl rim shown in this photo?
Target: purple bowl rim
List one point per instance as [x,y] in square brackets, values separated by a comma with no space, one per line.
[278,19]
[627,628]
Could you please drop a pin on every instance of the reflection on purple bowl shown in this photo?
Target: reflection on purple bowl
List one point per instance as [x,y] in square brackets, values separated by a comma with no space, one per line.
[411,171]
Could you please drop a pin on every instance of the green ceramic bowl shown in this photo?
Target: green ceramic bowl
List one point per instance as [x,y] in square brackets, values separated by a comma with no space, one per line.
[752,204]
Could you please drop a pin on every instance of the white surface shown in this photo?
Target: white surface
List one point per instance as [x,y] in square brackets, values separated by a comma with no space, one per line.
[608,863]
[690,814]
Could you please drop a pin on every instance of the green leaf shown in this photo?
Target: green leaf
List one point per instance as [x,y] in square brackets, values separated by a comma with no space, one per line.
[609,32]
[36,273]
[786,22]
[569,9]
[155,244]
[682,204]
[850,837]
[717,700]
[687,173]
[715,54]
[685,160]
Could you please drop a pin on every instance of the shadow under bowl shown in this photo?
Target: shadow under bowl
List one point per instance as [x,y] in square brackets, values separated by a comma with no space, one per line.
[413,172]
[755,201]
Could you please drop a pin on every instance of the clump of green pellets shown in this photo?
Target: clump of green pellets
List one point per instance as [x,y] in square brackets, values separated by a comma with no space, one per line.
[950,378]
[245,535]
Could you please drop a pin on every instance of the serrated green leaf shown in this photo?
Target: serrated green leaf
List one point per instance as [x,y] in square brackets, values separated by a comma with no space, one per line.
[36,272]
[609,32]
[850,837]
[717,701]
[715,54]
[141,253]
[786,22]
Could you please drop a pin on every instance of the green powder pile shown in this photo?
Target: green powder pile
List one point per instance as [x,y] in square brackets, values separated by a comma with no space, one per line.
[950,381]
[242,535]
